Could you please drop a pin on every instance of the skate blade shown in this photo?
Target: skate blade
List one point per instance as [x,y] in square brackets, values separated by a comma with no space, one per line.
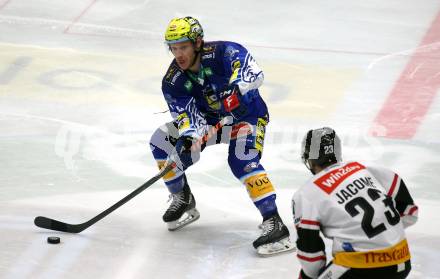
[187,218]
[275,248]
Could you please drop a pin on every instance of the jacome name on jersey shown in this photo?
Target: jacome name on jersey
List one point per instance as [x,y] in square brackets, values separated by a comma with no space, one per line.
[353,188]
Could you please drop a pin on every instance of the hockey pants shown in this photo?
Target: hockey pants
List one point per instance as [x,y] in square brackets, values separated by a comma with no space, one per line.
[245,141]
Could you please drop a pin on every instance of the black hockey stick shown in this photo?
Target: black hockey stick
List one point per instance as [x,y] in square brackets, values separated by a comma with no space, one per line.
[51,224]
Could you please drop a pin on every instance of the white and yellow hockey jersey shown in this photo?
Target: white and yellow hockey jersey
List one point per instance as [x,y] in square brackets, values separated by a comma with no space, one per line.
[364,210]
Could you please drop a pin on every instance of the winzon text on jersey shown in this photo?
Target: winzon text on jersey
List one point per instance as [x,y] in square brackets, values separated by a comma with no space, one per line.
[332,179]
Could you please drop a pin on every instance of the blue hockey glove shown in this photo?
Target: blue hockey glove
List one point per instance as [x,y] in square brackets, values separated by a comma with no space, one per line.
[233,102]
[182,155]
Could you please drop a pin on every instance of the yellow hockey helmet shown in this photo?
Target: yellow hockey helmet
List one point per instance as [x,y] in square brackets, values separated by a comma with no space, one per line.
[183,29]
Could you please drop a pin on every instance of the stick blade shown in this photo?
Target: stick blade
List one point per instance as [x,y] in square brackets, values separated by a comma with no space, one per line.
[51,224]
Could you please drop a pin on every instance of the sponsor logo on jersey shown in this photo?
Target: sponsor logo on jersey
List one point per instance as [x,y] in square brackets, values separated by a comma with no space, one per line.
[393,255]
[231,102]
[188,85]
[234,75]
[172,75]
[209,48]
[259,186]
[211,98]
[175,77]
[235,65]
[208,56]
[170,175]
[208,71]
[183,122]
[208,52]
[331,180]
[261,132]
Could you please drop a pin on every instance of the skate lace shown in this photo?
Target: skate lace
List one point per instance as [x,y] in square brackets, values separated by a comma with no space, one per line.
[267,227]
[177,200]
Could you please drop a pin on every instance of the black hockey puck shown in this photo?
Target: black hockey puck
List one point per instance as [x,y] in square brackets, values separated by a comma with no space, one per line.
[53,240]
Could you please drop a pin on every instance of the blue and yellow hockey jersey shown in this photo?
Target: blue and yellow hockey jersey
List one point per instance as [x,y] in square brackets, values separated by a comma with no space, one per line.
[193,99]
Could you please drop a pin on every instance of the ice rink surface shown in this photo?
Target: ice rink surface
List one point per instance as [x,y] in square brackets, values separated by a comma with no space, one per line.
[80,96]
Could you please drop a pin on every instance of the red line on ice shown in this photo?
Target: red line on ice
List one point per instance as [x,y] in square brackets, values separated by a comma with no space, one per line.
[414,91]
[2,5]
[76,19]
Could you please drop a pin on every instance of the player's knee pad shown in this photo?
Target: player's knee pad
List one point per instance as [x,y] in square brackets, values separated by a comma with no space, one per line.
[162,142]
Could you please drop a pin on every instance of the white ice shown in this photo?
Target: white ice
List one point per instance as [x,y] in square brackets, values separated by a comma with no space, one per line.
[80,96]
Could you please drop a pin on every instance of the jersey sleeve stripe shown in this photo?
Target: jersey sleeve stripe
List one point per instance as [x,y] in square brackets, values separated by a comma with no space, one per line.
[410,215]
[393,185]
[309,222]
[312,259]
[410,210]
[309,255]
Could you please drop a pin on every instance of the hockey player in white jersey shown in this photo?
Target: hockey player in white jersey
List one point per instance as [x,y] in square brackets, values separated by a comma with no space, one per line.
[363,209]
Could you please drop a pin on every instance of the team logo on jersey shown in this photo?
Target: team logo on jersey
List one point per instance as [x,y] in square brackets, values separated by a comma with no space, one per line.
[331,180]
[251,167]
[230,52]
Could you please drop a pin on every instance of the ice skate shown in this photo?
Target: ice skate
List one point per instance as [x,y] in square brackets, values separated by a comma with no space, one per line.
[274,238]
[182,210]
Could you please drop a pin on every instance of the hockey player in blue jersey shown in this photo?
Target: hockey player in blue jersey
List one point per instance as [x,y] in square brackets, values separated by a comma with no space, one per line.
[206,82]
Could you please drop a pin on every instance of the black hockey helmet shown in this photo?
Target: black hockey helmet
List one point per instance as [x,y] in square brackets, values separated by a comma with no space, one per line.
[321,147]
